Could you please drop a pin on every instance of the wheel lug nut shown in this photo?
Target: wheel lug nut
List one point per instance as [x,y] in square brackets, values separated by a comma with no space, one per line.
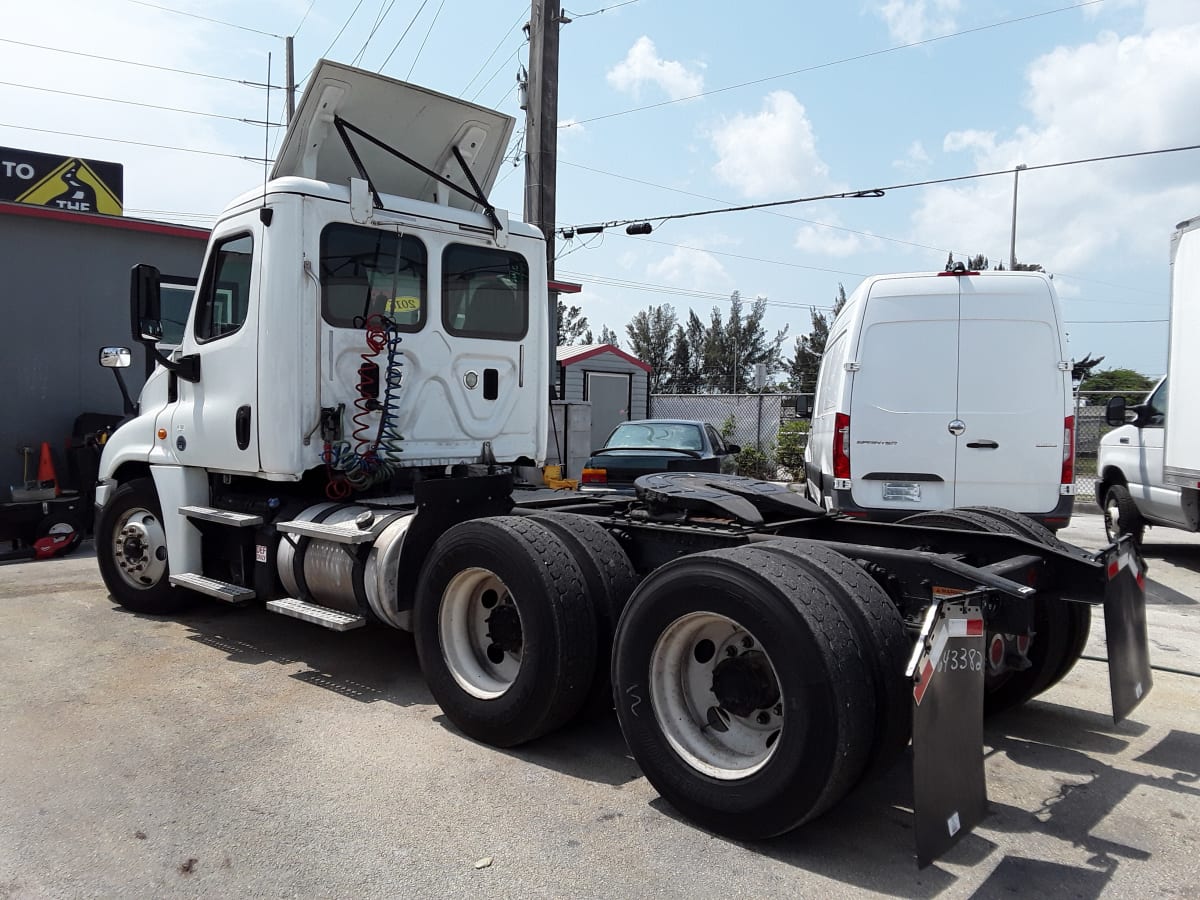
[764,718]
[778,709]
[731,651]
[747,642]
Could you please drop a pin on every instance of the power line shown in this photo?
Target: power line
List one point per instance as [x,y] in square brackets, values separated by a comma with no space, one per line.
[350,17]
[304,18]
[130,62]
[877,192]
[499,69]
[670,290]
[407,28]
[192,112]
[499,43]
[596,12]
[428,32]
[180,12]
[831,63]
[378,21]
[94,137]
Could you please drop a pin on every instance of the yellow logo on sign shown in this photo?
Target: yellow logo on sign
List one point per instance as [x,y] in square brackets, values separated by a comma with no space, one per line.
[73,186]
[402,304]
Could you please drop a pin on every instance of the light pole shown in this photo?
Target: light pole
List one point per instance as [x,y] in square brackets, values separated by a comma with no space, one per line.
[1012,243]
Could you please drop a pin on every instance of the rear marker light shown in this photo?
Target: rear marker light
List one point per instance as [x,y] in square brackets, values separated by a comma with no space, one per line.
[1068,460]
[595,476]
[841,446]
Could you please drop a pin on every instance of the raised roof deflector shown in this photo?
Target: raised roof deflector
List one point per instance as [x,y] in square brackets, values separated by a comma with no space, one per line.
[423,124]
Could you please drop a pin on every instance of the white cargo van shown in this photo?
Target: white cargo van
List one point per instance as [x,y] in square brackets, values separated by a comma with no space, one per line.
[1150,468]
[945,390]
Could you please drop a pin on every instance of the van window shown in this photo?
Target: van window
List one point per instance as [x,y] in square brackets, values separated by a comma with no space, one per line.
[367,271]
[485,292]
[224,298]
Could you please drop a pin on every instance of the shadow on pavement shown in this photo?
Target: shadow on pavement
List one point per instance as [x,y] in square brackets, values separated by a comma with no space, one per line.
[1186,556]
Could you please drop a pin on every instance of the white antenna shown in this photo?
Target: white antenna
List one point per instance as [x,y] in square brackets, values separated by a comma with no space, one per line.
[267,130]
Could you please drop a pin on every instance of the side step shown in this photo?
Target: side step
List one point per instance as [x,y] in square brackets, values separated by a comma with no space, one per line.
[339,533]
[230,593]
[220,516]
[333,619]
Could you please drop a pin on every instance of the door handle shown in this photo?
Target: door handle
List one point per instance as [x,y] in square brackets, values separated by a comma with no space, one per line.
[242,427]
[983,445]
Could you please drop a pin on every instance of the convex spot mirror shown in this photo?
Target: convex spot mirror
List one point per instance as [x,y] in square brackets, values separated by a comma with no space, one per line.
[115,357]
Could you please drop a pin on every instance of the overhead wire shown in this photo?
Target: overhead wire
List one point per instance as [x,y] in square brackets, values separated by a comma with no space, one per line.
[498,70]
[192,112]
[523,14]
[428,32]
[379,19]
[596,12]
[304,18]
[876,192]
[341,30]
[130,62]
[254,159]
[832,63]
[404,34]
[180,12]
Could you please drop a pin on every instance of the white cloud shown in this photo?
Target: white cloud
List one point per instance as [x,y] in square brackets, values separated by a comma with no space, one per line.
[771,153]
[642,65]
[1113,95]
[915,158]
[692,268]
[1169,13]
[909,21]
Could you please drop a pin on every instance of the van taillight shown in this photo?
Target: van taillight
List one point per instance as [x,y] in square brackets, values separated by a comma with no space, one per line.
[1068,467]
[841,446]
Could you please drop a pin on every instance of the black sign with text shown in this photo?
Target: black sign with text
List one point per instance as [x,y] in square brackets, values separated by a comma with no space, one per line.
[61,182]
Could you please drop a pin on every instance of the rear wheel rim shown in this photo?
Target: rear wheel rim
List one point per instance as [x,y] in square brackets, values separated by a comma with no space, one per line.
[139,549]
[1112,518]
[481,633]
[716,696]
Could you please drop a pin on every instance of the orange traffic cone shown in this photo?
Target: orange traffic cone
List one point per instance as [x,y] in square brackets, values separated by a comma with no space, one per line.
[46,469]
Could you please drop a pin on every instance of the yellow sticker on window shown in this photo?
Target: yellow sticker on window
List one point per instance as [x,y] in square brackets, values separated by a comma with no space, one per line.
[402,304]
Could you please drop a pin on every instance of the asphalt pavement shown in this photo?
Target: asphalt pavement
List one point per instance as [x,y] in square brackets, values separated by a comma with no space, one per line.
[235,753]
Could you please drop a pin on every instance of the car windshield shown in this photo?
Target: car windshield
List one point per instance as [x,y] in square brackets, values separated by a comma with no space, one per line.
[668,436]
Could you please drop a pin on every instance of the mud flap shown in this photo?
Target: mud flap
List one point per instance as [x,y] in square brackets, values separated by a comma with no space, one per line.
[949,787]
[1129,677]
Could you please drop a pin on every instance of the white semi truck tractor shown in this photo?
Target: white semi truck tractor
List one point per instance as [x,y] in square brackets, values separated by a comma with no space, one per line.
[365,366]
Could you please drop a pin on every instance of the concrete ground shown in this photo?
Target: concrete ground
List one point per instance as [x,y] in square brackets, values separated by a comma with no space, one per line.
[234,753]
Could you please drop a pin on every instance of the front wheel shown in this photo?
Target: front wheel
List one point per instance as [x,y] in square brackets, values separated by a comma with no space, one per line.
[131,548]
[1121,515]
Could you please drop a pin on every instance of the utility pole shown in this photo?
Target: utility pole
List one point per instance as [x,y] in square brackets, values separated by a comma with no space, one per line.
[1012,243]
[291,78]
[541,137]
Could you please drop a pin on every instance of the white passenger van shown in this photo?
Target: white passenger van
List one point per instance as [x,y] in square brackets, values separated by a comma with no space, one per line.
[945,390]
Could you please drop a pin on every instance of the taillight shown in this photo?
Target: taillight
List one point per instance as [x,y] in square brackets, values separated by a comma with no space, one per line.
[1068,466]
[595,476]
[841,446]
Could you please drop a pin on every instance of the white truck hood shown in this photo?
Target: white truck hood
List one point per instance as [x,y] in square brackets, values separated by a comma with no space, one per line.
[422,124]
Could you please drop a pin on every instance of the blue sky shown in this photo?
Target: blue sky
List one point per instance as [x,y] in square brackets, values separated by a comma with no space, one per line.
[1108,77]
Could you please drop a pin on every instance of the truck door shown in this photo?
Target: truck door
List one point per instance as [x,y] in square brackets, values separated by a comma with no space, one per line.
[1011,395]
[1153,495]
[903,395]
[214,423]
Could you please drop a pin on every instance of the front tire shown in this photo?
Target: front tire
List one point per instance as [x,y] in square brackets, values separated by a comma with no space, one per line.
[742,691]
[131,548]
[1121,515]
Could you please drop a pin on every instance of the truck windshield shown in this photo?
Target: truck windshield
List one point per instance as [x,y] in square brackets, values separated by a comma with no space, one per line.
[367,271]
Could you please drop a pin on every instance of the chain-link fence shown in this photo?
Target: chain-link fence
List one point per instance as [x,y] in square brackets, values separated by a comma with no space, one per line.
[1089,428]
[770,428]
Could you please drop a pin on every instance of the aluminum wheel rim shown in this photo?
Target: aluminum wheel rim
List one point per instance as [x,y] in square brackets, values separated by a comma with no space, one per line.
[482,666]
[140,549]
[689,712]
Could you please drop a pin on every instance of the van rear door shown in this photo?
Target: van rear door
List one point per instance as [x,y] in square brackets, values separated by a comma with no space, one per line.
[903,394]
[1012,394]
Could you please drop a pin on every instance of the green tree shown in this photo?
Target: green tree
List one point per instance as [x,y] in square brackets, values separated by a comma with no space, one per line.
[811,347]
[733,346]
[1118,381]
[608,336]
[651,336]
[572,325]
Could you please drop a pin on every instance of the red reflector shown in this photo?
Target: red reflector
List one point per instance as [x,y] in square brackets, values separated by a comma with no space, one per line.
[974,627]
[1113,569]
[996,651]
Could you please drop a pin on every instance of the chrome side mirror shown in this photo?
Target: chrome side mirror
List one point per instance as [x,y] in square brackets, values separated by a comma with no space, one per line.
[115,357]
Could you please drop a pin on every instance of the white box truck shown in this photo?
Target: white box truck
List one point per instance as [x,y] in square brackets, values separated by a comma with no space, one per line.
[1148,467]
[364,365]
[945,390]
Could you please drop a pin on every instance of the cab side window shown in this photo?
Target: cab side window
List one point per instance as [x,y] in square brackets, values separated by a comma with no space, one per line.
[224,297]
[1157,406]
